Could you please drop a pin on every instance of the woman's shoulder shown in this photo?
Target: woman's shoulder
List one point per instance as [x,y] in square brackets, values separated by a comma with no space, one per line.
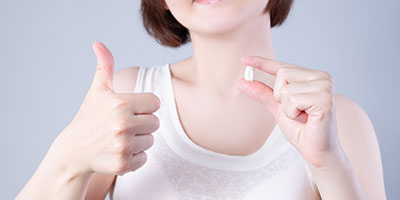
[347,109]
[124,80]
[353,123]
[359,142]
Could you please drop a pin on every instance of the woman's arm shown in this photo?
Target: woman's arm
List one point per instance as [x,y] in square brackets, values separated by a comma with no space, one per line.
[108,135]
[93,187]
[337,180]
[357,170]
[99,186]
[55,179]
[338,144]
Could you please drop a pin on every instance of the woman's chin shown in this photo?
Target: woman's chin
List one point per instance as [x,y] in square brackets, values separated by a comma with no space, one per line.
[214,29]
[215,26]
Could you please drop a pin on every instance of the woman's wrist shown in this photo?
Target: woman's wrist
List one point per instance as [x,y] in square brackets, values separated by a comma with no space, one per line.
[336,177]
[334,157]
[61,165]
[63,158]
[62,180]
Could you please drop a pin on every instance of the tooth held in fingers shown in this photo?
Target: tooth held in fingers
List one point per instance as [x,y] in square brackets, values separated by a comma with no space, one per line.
[249,73]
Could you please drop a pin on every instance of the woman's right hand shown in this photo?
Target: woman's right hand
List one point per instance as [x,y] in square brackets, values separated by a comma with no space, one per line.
[111,131]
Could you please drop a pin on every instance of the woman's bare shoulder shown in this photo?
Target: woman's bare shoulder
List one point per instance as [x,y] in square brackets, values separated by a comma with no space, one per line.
[125,79]
[359,141]
[351,115]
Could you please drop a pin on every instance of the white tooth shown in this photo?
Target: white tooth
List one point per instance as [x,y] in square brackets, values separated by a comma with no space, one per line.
[249,73]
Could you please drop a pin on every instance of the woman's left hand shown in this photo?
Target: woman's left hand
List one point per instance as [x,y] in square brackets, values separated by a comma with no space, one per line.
[302,102]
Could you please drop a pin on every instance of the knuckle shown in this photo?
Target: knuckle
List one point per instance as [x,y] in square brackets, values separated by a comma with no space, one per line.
[331,88]
[284,90]
[155,122]
[150,141]
[292,99]
[122,125]
[326,75]
[155,101]
[140,158]
[282,72]
[120,147]
[276,94]
[119,103]
[146,143]
[328,85]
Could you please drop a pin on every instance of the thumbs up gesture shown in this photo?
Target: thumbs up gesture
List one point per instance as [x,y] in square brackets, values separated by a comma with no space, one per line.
[111,131]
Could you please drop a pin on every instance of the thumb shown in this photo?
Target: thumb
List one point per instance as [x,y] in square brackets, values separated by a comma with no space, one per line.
[260,92]
[103,79]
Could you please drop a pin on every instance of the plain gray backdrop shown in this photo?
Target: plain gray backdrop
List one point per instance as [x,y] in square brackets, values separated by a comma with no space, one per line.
[47,65]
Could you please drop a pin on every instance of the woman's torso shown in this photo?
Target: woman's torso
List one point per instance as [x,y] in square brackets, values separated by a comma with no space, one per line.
[179,168]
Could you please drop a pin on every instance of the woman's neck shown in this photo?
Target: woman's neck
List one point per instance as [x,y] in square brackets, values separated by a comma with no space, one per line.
[216,64]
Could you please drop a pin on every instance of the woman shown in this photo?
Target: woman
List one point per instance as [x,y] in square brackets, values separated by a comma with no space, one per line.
[286,135]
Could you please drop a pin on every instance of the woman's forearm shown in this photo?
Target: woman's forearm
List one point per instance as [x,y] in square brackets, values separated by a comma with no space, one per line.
[55,180]
[337,179]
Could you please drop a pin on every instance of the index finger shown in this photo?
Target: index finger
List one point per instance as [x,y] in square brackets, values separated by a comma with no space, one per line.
[264,64]
[146,103]
[142,103]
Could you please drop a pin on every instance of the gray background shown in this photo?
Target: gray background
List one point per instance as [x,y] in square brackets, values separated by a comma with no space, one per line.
[47,65]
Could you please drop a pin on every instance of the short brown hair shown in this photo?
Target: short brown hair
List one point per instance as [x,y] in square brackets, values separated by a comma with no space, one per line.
[162,25]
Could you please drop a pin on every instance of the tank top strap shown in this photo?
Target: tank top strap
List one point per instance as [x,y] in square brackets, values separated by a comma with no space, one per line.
[156,79]
[152,78]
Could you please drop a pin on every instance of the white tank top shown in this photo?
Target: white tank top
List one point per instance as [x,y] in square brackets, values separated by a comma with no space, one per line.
[178,168]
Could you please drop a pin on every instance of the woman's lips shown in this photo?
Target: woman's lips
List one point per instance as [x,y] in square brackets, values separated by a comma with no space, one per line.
[206,1]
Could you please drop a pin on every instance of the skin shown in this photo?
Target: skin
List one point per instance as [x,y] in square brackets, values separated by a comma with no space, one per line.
[331,132]
[108,135]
